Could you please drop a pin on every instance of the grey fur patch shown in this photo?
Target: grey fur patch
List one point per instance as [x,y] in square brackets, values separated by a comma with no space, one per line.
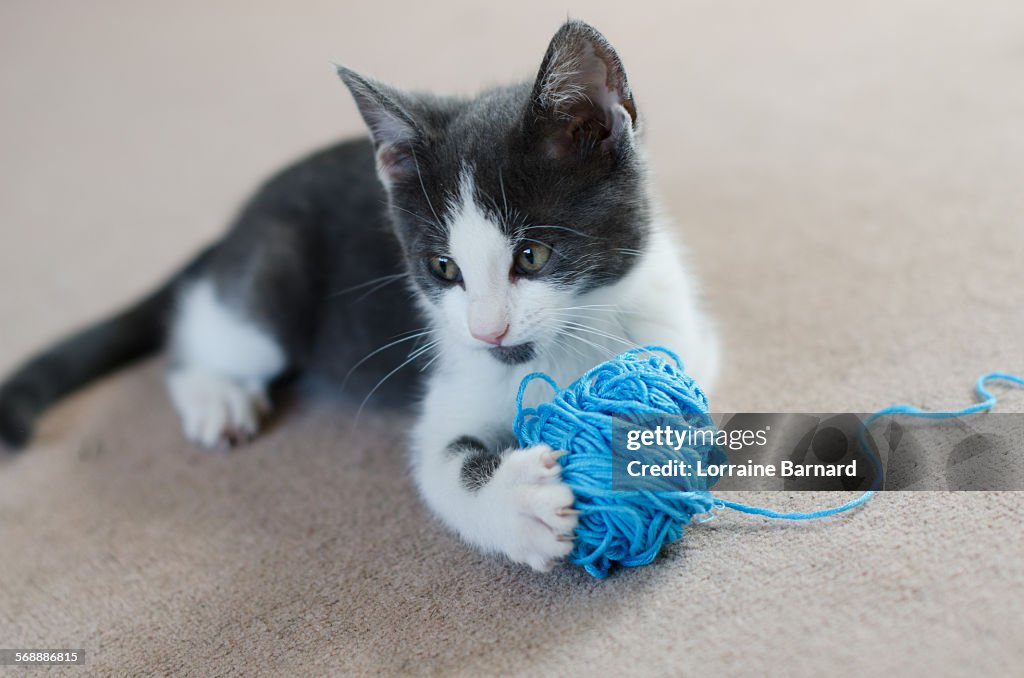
[464,444]
[479,464]
[478,468]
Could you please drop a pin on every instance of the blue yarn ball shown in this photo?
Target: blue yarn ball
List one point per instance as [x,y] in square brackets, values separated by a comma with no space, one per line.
[637,388]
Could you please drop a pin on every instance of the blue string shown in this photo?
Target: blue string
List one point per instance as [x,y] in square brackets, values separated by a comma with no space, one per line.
[630,527]
[988,401]
[768,513]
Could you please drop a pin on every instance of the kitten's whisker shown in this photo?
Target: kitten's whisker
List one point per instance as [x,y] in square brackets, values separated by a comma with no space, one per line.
[578,315]
[600,348]
[430,362]
[587,309]
[534,240]
[377,288]
[423,186]
[562,351]
[558,228]
[563,308]
[387,278]
[422,332]
[380,383]
[561,337]
[561,342]
[598,308]
[426,221]
[519,217]
[581,327]
[504,200]
[600,333]
[565,346]
[415,353]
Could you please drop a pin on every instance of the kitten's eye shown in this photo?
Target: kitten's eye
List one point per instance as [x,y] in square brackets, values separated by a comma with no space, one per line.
[445,268]
[531,259]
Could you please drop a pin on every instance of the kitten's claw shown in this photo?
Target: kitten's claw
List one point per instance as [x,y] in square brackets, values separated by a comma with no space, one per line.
[550,458]
[528,495]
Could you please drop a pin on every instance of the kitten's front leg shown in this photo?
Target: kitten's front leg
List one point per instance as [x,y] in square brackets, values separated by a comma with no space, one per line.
[498,498]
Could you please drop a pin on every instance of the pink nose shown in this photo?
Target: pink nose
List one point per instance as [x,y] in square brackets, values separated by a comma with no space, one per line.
[491,336]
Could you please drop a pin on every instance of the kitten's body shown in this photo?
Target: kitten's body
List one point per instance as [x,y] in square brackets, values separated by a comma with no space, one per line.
[473,242]
[313,261]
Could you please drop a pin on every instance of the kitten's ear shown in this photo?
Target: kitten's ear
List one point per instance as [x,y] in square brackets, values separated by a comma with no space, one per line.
[581,95]
[393,130]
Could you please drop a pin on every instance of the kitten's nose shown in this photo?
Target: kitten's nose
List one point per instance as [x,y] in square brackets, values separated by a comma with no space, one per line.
[492,335]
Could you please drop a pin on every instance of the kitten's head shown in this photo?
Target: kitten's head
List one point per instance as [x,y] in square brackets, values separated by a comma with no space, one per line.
[513,204]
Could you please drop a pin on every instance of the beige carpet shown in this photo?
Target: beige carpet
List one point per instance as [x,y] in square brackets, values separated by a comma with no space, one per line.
[849,179]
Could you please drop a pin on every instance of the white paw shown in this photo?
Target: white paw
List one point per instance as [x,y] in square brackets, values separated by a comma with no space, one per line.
[535,507]
[217,411]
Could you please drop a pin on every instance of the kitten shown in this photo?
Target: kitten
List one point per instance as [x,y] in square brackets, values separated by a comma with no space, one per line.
[496,236]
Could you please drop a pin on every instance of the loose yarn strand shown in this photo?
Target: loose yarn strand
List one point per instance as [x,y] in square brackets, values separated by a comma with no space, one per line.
[988,401]
[769,513]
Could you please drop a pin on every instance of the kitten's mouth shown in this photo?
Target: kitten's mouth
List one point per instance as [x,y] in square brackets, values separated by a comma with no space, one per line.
[514,355]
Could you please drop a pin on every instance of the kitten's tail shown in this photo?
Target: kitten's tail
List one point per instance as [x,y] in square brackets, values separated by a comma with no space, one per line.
[84,356]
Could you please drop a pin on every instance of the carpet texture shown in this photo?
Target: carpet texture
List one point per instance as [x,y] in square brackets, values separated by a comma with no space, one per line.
[848,178]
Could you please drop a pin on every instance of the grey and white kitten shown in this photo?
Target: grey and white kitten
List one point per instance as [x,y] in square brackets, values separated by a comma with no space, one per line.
[482,238]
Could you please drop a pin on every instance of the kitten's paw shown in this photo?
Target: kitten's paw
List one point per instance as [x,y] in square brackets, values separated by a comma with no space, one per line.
[217,411]
[536,506]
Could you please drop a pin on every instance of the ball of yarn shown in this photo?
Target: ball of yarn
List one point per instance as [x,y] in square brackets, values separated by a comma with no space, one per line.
[621,526]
